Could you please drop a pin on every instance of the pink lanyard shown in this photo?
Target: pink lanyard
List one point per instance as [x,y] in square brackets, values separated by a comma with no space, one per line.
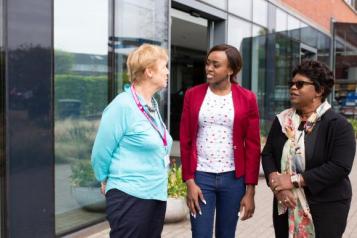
[164,140]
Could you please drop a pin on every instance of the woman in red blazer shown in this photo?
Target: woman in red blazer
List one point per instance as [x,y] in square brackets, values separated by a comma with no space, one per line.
[220,146]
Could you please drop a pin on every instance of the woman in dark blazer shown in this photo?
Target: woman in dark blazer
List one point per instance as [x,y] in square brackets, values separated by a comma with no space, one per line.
[220,146]
[307,158]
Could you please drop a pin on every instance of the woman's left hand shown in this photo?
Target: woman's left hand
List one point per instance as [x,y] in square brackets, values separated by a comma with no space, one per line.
[103,185]
[280,182]
[247,205]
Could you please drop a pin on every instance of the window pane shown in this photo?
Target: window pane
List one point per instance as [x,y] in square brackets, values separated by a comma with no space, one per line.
[293,27]
[240,37]
[323,48]
[81,94]
[260,12]
[309,35]
[258,75]
[242,8]
[238,30]
[346,69]
[130,33]
[281,20]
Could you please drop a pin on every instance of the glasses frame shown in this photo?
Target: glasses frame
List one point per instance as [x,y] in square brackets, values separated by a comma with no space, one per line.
[299,84]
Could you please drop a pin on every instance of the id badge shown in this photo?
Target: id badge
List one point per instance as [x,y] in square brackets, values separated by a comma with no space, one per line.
[167,160]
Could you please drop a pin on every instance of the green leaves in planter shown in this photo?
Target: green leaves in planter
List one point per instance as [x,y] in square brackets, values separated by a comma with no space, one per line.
[83,175]
[176,186]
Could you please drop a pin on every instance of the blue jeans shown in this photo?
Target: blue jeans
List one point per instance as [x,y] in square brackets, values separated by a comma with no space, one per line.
[223,193]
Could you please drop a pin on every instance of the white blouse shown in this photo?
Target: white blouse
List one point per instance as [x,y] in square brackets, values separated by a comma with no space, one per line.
[215,134]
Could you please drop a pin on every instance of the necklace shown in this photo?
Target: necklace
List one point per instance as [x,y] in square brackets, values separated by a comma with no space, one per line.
[151,109]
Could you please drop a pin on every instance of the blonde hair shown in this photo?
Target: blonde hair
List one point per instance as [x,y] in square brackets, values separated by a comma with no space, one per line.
[144,57]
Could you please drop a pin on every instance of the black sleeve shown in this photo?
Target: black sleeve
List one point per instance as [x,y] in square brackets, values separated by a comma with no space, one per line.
[270,164]
[339,162]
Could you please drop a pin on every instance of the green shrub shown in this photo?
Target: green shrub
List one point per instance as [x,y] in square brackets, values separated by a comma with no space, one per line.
[91,91]
[83,175]
[354,125]
[176,186]
[74,139]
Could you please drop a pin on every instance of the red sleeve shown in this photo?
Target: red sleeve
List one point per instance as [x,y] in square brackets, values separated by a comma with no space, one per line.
[252,143]
[186,138]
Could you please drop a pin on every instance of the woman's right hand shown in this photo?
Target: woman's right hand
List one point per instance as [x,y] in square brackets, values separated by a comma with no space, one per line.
[287,198]
[193,194]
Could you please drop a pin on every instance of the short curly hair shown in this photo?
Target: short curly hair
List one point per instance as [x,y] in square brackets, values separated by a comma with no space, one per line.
[145,56]
[319,73]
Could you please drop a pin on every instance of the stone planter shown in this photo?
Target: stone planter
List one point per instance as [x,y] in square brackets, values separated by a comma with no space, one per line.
[176,210]
[89,198]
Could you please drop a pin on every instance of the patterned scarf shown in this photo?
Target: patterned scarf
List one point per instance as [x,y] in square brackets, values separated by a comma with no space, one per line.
[292,162]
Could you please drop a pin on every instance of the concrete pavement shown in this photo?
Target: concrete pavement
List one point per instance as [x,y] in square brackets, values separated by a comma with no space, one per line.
[260,225]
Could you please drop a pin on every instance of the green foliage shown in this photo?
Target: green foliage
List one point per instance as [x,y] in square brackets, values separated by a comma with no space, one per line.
[63,61]
[92,91]
[176,186]
[354,125]
[83,175]
[74,139]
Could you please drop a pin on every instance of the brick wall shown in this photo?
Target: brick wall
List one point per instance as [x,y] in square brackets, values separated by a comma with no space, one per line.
[321,11]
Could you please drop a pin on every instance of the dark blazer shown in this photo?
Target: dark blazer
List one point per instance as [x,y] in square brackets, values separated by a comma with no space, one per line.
[326,173]
[246,139]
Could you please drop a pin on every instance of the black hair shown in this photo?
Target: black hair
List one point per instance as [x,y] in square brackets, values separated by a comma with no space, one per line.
[234,58]
[319,73]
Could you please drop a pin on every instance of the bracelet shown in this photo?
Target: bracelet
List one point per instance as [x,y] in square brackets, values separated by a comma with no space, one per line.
[295,180]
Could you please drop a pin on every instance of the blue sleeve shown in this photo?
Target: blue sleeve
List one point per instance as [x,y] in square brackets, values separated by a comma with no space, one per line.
[111,129]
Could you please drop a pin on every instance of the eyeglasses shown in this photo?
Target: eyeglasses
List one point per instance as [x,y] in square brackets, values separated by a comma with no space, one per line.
[299,84]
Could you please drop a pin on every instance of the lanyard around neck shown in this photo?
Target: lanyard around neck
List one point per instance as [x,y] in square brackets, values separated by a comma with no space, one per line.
[163,136]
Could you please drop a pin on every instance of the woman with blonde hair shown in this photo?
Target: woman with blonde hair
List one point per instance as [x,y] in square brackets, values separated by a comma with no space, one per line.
[131,149]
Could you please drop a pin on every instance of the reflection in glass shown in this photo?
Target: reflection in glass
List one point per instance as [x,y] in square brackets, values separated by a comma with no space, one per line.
[81,94]
[309,35]
[242,8]
[238,29]
[323,48]
[130,32]
[258,69]
[346,68]
[260,12]
[293,27]
[287,56]
[239,36]
[281,21]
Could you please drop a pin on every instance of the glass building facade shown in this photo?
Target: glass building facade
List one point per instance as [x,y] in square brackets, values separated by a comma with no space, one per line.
[58,79]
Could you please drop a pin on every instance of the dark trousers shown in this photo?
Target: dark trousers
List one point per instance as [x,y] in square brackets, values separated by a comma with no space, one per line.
[132,217]
[329,218]
[223,193]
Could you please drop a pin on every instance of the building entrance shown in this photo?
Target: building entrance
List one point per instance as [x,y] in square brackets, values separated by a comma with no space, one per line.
[189,44]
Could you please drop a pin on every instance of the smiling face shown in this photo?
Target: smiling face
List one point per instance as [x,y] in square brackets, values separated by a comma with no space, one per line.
[217,67]
[305,96]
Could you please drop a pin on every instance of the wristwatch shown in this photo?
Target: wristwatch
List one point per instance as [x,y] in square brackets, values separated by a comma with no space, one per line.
[295,180]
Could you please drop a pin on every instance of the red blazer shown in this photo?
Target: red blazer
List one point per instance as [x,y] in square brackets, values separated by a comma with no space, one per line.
[246,136]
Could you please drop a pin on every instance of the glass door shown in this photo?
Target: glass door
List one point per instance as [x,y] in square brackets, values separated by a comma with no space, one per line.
[190,36]
[129,32]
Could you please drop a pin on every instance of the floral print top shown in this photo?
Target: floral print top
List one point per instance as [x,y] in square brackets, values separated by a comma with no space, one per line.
[215,134]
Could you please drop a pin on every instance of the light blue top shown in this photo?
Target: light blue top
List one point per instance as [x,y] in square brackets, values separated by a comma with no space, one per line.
[128,152]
